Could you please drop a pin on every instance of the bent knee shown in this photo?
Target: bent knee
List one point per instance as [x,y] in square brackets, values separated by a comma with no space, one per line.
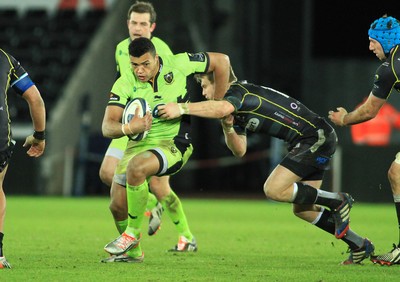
[269,192]
[106,176]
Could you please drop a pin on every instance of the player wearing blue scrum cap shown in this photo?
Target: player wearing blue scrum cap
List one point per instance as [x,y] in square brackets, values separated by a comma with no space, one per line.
[384,41]
[386,31]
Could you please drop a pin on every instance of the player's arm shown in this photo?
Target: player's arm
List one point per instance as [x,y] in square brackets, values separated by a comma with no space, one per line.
[220,65]
[366,111]
[237,143]
[113,128]
[38,115]
[205,109]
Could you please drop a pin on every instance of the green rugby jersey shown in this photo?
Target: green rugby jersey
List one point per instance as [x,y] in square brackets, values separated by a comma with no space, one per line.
[122,55]
[169,86]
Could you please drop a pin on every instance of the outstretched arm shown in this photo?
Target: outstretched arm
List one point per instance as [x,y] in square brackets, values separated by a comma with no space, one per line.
[368,110]
[206,109]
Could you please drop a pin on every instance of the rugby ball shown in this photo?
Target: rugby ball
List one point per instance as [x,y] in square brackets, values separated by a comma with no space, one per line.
[129,113]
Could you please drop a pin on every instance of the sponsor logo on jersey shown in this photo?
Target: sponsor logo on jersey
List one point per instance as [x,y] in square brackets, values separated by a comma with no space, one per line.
[322,160]
[157,98]
[114,97]
[252,124]
[197,57]
[169,78]
[173,150]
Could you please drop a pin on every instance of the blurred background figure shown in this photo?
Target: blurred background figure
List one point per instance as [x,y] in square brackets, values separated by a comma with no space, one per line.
[377,131]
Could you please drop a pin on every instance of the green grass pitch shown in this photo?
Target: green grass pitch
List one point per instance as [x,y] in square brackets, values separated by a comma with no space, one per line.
[62,239]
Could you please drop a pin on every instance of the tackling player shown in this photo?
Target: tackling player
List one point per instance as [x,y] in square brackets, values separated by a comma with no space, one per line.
[311,143]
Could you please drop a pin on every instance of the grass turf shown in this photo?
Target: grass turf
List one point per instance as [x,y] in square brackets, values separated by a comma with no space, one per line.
[62,239]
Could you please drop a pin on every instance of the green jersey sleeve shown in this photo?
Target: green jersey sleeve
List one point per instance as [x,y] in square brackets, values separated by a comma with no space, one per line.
[189,63]
[120,92]
[161,47]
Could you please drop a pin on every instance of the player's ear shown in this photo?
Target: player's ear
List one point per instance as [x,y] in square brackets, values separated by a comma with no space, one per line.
[152,27]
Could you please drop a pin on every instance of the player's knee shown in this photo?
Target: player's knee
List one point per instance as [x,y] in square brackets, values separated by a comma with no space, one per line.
[106,176]
[268,191]
[136,172]
[159,183]
[394,177]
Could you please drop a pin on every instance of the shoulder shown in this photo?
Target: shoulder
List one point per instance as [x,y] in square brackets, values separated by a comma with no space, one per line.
[123,44]
[184,60]
[161,46]
[395,60]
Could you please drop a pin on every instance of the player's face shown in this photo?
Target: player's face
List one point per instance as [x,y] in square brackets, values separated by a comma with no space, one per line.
[376,47]
[139,25]
[208,89]
[144,67]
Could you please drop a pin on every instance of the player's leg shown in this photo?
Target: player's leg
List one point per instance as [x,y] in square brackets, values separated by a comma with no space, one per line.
[2,209]
[111,159]
[4,159]
[134,169]
[3,261]
[156,208]
[393,256]
[118,206]
[360,248]
[174,208]
[118,196]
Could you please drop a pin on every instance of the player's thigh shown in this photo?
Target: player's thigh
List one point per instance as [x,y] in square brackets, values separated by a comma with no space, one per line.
[108,165]
[280,179]
[2,175]
[114,153]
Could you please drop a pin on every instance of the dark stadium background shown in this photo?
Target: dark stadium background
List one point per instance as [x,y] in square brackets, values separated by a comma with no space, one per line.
[316,51]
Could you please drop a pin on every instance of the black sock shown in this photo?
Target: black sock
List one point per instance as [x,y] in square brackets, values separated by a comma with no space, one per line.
[1,244]
[397,205]
[327,223]
[306,194]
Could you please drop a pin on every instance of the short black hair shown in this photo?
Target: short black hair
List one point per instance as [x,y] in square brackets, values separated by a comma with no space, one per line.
[140,46]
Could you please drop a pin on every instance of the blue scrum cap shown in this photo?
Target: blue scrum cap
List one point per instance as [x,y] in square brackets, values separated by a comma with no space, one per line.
[385,30]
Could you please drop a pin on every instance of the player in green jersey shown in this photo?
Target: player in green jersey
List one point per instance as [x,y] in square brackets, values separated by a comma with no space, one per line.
[141,22]
[167,147]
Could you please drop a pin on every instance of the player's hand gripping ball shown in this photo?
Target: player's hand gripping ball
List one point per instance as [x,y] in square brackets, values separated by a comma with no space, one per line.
[129,113]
